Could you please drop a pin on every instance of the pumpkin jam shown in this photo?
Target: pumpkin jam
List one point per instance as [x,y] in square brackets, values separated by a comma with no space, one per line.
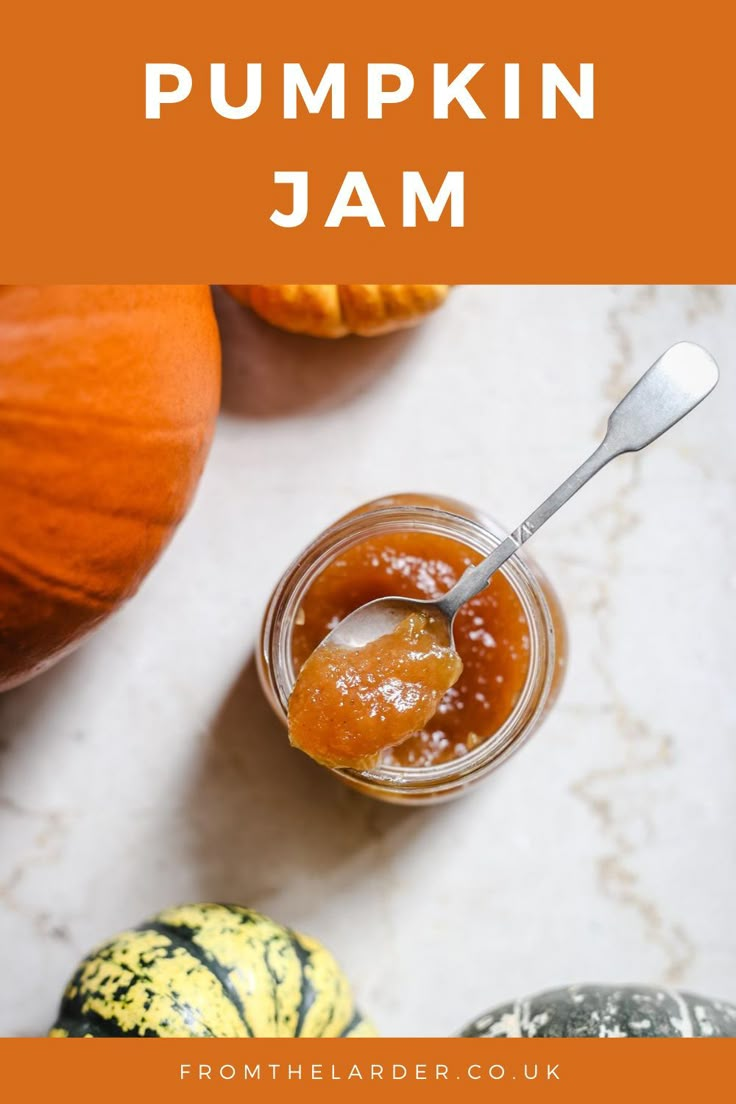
[491,637]
[349,704]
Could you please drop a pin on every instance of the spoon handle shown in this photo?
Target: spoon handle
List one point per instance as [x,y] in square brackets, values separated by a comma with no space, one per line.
[670,389]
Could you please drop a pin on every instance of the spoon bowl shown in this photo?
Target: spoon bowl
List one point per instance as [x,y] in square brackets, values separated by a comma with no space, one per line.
[382,616]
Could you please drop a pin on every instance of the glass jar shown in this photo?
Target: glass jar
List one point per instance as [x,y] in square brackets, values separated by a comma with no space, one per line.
[445,517]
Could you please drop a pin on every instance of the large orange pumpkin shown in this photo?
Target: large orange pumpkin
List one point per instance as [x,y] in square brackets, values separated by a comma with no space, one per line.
[108,397]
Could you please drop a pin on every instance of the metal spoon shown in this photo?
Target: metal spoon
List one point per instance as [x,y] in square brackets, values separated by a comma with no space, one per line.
[670,389]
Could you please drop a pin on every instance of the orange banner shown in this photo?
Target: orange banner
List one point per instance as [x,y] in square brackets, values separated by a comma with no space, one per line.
[435,1070]
[582,142]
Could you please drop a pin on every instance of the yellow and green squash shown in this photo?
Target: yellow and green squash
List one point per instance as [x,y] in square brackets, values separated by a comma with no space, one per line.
[209,971]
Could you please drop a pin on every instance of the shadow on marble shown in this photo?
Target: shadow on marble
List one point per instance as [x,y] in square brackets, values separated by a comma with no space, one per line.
[268,373]
[21,707]
[262,815]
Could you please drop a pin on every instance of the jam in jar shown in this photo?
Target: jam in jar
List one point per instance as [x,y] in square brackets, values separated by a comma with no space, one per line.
[510,640]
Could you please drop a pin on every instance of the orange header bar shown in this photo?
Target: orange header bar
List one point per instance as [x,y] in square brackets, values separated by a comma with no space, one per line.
[385,1070]
[94,190]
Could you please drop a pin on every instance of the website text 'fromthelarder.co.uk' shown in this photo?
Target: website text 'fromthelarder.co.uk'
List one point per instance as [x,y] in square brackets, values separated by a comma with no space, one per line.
[413,1073]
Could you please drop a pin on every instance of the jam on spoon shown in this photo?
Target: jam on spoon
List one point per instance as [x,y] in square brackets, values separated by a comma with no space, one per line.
[349,704]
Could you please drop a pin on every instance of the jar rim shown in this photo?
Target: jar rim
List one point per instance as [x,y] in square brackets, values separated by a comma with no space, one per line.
[480,533]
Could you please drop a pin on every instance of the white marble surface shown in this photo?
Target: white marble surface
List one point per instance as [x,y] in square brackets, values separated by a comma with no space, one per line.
[146,770]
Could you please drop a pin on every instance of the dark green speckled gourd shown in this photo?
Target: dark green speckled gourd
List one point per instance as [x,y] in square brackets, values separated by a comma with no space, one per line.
[607,1011]
[209,971]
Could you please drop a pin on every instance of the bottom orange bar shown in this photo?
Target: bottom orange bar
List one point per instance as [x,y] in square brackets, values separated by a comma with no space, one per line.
[383,1070]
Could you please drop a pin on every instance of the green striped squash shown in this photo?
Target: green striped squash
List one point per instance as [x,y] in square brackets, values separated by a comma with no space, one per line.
[608,1011]
[209,971]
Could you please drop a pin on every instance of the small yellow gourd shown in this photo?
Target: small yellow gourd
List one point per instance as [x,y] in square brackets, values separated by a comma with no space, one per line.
[334,310]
